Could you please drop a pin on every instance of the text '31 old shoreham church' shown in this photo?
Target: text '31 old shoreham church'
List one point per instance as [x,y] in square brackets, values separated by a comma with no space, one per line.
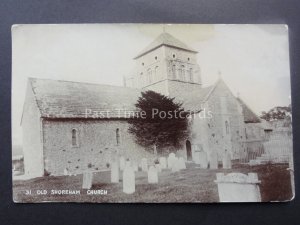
[59,135]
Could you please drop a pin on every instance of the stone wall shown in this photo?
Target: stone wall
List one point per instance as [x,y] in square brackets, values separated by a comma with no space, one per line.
[32,140]
[212,133]
[97,145]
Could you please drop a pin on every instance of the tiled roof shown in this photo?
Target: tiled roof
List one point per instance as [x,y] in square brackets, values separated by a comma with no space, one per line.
[193,99]
[65,99]
[249,115]
[167,40]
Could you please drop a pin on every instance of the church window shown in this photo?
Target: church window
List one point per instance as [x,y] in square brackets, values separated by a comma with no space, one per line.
[188,59]
[149,74]
[74,137]
[227,127]
[182,72]
[143,64]
[191,75]
[174,71]
[118,136]
[155,57]
[174,56]
[156,71]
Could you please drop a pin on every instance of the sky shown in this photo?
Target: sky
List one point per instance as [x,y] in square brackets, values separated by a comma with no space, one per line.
[252,59]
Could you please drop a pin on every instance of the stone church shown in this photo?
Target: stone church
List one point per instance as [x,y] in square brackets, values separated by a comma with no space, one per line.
[65,126]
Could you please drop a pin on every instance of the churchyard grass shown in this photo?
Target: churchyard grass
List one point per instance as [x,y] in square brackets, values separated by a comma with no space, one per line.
[190,185]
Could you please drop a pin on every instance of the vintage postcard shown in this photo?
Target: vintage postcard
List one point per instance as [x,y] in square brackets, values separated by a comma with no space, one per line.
[151,113]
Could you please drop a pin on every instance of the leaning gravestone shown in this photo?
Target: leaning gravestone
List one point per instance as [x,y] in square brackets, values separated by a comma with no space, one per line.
[213,160]
[128,180]
[181,163]
[163,162]
[87,180]
[175,165]
[238,187]
[144,164]
[122,163]
[226,160]
[171,159]
[114,175]
[152,175]
[203,160]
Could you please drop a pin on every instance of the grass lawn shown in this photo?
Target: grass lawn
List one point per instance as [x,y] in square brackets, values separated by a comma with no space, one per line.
[190,185]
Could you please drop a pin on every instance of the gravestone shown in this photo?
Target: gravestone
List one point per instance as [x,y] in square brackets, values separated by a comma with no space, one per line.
[181,162]
[87,180]
[127,163]
[213,160]
[114,174]
[226,160]
[152,175]
[122,163]
[128,180]
[238,187]
[144,164]
[171,159]
[158,167]
[135,167]
[203,160]
[175,165]
[163,162]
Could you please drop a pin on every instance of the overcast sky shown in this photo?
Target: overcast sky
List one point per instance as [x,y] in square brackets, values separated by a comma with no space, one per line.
[252,59]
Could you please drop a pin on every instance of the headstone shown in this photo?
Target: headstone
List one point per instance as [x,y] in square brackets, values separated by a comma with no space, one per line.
[66,172]
[175,165]
[87,180]
[291,169]
[152,175]
[181,163]
[144,165]
[128,180]
[171,159]
[122,163]
[238,187]
[158,167]
[135,167]
[203,160]
[163,162]
[127,163]
[114,175]
[213,160]
[196,156]
[227,160]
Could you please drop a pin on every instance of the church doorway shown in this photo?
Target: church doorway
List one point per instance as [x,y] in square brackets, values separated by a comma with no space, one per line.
[188,150]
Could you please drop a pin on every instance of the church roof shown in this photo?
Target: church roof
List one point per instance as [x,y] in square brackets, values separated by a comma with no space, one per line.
[193,99]
[249,115]
[66,99]
[167,40]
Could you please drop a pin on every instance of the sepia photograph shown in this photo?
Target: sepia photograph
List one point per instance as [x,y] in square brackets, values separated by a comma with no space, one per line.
[151,113]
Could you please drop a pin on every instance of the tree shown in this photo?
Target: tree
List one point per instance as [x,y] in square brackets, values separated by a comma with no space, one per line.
[277,113]
[159,122]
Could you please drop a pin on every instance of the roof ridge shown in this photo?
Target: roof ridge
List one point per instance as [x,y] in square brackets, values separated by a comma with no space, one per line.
[79,82]
[165,39]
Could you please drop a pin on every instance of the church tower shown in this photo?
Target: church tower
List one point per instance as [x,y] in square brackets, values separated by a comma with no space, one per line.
[167,66]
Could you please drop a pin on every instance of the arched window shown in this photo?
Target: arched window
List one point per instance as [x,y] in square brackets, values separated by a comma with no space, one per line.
[74,137]
[182,72]
[118,136]
[156,72]
[149,75]
[227,127]
[174,71]
[141,79]
[191,75]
